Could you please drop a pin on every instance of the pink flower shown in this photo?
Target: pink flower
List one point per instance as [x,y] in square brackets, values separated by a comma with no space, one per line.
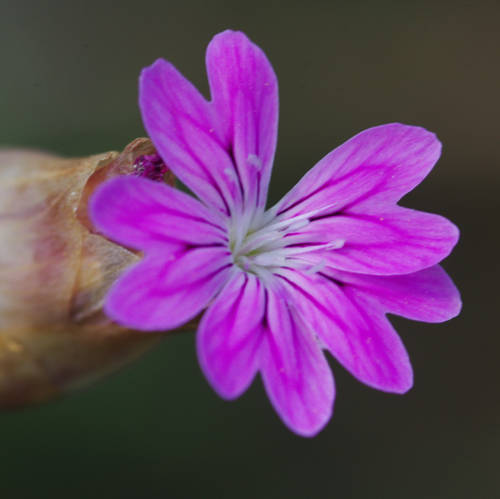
[318,271]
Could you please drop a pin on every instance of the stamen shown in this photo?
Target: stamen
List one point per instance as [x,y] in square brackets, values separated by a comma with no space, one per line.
[275,243]
[249,265]
[299,224]
[289,222]
[315,247]
[316,268]
[231,174]
[239,231]
[258,239]
[319,211]
[273,232]
[254,160]
[270,259]
[245,263]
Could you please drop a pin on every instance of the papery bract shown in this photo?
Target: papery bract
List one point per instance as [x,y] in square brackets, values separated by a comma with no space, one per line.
[319,270]
[55,272]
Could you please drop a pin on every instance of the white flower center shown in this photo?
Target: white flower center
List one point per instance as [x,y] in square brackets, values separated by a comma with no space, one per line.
[265,245]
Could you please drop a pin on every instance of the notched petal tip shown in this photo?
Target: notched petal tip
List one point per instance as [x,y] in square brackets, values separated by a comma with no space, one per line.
[372,170]
[428,295]
[157,66]
[294,370]
[419,148]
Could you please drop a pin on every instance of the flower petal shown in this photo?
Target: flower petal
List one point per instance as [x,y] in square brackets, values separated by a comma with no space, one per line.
[165,291]
[222,150]
[230,335]
[143,214]
[244,90]
[374,168]
[354,330]
[186,133]
[399,241]
[294,370]
[428,295]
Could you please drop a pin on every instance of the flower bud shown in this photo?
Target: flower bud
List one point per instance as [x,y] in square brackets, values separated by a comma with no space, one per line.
[55,270]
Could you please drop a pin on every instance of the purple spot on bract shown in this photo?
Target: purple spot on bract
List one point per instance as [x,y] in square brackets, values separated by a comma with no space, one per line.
[150,166]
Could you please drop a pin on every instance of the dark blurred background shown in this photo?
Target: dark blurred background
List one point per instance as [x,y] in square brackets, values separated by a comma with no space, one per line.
[156,429]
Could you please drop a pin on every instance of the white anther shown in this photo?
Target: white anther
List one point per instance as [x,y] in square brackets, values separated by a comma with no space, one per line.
[337,244]
[316,268]
[254,160]
[270,259]
[231,174]
[292,250]
[297,225]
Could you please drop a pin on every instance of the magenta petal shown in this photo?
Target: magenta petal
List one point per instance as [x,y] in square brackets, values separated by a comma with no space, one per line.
[222,150]
[230,335]
[187,134]
[354,330]
[376,167]
[399,241]
[295,372]
[144,214]
[244,92]
[166,290]
[428,295]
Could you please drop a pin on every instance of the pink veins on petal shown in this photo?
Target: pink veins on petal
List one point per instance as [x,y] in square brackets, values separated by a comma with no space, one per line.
[318,271]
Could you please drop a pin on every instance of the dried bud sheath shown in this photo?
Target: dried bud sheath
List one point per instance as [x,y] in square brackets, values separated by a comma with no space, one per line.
[54,273]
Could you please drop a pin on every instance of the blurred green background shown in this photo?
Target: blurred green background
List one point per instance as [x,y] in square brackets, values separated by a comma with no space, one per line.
[156,429]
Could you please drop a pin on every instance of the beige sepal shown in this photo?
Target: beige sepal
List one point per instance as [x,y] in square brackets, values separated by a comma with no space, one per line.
[54,273]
